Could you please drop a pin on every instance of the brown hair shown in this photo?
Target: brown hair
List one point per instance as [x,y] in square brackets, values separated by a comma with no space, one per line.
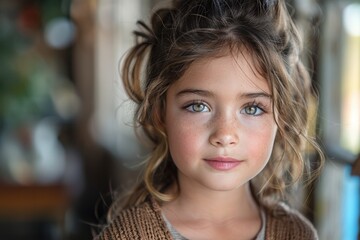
[194,29]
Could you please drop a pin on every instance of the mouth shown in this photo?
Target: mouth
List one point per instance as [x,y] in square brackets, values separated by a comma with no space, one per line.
[223,163]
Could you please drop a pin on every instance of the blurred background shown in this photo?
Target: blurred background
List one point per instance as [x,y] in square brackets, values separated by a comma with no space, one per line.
[66,138]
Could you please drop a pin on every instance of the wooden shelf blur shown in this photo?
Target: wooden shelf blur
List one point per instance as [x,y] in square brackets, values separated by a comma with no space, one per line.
[33,201]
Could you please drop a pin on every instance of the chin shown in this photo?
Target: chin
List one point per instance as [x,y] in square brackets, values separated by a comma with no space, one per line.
[225,186]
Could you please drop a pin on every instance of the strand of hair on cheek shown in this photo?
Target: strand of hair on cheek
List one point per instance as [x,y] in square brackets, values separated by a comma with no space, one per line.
[271,177]
[160,153]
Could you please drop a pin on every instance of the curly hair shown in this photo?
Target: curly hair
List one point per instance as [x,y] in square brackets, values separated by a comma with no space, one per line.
[193,29]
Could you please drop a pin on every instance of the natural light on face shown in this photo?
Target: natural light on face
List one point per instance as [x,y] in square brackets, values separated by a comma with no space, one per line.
[219,122]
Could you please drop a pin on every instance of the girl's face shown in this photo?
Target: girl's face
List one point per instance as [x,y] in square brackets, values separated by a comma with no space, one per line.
[219,122]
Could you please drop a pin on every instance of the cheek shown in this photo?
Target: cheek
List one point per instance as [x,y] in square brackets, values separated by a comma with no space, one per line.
[263,141]
[183,140]
[187,137]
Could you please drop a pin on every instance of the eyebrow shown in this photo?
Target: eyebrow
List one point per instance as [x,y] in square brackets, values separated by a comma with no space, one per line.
[256,95]
[206,93]
[196,92]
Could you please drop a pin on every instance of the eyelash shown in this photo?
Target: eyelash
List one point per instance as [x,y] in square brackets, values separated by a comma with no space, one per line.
[254,104]
[196,102]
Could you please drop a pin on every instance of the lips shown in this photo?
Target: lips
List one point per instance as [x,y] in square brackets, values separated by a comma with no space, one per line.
[223,163]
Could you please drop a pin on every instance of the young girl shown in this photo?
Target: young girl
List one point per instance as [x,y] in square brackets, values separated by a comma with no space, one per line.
[224,101]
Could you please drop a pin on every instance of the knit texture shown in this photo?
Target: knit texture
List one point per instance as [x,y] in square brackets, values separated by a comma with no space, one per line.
[145,222]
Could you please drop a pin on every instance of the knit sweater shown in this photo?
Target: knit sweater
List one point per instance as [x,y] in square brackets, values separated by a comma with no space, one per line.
[146,222]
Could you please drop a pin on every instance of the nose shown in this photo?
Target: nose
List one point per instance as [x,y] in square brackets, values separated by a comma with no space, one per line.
[225,133]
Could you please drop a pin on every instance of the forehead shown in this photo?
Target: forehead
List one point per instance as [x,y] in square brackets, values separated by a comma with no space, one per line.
[235,69]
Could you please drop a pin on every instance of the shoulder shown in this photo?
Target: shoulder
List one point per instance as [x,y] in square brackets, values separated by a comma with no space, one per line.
[284,222]
[139,222]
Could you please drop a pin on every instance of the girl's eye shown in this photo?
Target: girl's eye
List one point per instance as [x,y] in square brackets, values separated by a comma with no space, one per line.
[197,107]
[253,110]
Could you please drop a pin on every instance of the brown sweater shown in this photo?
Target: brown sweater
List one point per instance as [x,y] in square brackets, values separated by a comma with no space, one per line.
[145,222]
